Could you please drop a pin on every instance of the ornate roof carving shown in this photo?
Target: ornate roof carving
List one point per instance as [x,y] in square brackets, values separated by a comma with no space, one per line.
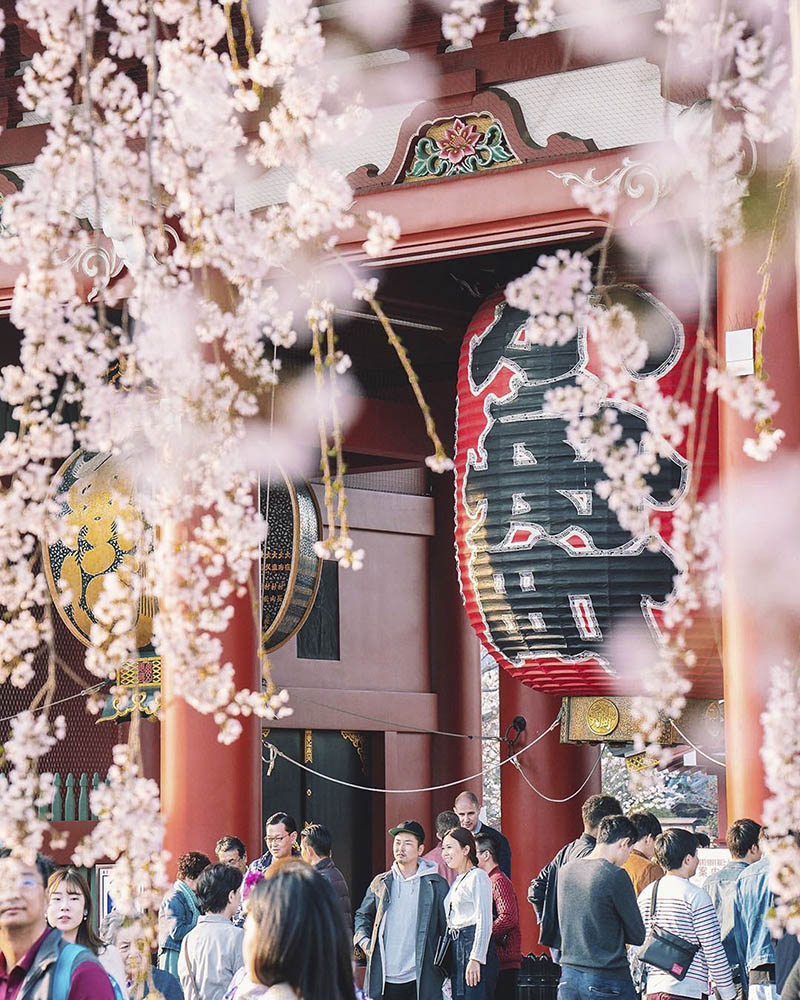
[462,135]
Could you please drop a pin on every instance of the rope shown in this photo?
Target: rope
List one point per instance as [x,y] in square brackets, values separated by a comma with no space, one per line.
[60,701]
[547,797]
[400,726]
[275,752]
[685,738]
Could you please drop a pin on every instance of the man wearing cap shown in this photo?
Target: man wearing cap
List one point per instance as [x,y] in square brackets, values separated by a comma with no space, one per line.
[401,920]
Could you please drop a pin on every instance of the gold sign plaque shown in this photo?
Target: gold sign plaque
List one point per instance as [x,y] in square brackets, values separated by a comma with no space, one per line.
[602,716]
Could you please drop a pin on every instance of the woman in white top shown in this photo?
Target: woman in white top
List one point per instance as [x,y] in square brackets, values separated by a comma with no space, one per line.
[69,910]
[468,907]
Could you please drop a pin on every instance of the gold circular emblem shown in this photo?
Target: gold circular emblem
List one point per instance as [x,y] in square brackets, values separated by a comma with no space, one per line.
[99,532]
[602,717]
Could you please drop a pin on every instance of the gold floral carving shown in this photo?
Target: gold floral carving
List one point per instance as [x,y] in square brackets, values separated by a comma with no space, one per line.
[357,739]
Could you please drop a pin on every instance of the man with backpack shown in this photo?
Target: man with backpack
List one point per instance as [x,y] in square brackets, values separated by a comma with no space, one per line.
[36,963]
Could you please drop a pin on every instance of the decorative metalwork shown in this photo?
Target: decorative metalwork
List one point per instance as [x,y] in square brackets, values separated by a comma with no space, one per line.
[138,686]
[640,761]
[103,264]
[457,146]
[308,747]
[602,716]
[714,719]
[634,179]
[357,739]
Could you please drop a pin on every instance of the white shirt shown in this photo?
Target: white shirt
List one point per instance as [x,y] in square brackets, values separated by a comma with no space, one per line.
[210,954]
[469,903]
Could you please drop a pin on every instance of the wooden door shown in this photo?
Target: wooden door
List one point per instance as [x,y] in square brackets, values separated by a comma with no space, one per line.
[347,812]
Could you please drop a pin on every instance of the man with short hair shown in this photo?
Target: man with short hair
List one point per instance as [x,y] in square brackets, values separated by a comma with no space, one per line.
[445,822]
[543,890]
[640,865]
[755,950]
[212,952]
[685,909]
[231,851]
[506,932]
[29,949]
[742,841]
[598,917]
[467,807]
[280,837]
[400,921]
[316,845]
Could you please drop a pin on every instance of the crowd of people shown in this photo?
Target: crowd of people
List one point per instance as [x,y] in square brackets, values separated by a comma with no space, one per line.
[442,922]
[622,912]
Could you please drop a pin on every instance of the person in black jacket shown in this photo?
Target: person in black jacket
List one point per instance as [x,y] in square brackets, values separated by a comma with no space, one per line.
[316,844]
[543,890]
[467,807]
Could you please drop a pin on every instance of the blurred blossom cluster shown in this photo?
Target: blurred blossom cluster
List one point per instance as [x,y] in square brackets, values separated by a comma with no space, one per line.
[556,294]
[210,295]
[780,753]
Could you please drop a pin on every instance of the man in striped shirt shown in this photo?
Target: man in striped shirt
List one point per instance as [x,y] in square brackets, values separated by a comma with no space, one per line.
[685,909]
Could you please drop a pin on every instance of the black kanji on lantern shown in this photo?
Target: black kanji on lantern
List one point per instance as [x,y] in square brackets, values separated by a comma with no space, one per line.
[551,566]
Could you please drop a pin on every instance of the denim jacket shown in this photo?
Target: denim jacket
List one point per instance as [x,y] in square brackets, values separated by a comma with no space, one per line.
[721,887]
[752,899]
[177,915]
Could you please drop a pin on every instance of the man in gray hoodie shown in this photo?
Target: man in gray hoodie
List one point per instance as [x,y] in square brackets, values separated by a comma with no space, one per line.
[400,921]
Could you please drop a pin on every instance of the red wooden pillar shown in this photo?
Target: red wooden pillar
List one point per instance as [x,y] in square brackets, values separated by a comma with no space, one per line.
[208,789]
[535,827]
[746,636]
[455,660]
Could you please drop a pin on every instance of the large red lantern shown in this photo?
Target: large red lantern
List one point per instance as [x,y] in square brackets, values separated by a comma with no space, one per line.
[546,571]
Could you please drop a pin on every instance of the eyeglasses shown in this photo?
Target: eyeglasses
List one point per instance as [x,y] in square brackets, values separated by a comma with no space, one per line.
[276,840]
[24,882]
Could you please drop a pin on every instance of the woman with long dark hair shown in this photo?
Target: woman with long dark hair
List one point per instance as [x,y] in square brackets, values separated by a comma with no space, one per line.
[468,907]
[69,910]
[295,941]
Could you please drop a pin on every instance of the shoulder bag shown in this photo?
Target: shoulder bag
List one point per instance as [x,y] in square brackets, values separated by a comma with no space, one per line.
[666,951]
[443,956]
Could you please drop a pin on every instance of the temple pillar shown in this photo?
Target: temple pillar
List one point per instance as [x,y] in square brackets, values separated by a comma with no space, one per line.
[749,644]
[208,789]
[455,660]
[536,828]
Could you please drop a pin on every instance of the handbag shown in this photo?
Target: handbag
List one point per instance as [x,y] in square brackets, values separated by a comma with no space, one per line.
[443,956]
[666,951]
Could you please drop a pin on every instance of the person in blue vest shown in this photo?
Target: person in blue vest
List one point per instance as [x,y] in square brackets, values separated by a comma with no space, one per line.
[36,961]
[179,910]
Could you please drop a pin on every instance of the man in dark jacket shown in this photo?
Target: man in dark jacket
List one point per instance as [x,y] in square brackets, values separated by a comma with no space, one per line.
[543,890]
[400,922]
[467,807]
[315,846]
[29,949]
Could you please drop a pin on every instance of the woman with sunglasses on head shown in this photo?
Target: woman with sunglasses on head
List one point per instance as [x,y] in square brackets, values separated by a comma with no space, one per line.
[69,910]
[468,907]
